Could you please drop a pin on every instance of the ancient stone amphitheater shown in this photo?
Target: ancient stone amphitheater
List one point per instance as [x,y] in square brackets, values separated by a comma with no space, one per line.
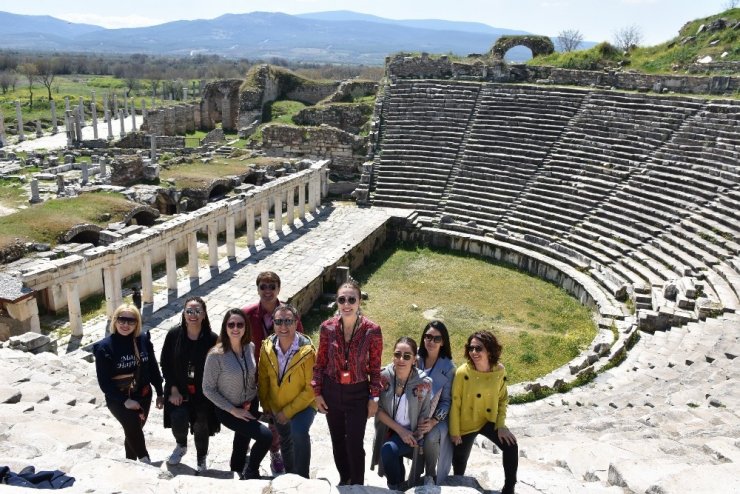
[631,202]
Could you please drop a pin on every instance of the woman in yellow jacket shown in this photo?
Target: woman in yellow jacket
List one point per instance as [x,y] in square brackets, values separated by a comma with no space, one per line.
[284,386]
[479,399]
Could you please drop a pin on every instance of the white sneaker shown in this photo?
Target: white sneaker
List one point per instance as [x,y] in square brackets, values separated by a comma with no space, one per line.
[177,455]
[202,465]
[146,460]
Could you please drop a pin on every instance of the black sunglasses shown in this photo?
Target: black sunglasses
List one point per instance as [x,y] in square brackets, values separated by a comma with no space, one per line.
[405,356]
[232,325]
[474,348]
[193,312]
[346,300]
[126,320]
[283,322]
[268,286]
[433,337]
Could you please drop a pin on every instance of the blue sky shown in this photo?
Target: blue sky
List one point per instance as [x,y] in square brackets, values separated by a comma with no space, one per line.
[596,19]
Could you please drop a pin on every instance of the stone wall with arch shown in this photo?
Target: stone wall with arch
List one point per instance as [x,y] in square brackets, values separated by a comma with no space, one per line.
[540,45]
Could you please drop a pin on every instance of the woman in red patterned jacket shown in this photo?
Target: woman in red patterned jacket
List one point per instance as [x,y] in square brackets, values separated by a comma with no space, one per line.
[346,380]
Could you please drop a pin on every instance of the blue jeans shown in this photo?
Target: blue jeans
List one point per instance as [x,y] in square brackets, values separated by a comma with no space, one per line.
[295,443]
[391,454]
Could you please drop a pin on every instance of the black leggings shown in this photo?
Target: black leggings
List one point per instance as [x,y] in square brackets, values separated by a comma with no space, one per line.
[133,425]
[244,430]
[181,418]
[510,453]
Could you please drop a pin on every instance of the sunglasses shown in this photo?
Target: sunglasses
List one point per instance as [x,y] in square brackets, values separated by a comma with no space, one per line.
[126,320]
[434,338]
[474,348]
[268,286]
[283,322]
[346,300]
[405,356]
[193,312]
[232,325]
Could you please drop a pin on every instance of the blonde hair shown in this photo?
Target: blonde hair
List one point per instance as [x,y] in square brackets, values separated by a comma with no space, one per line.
[126,308]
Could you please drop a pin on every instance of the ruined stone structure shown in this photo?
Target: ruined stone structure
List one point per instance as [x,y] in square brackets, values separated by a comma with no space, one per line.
[539,45]
[478,69]
[127,170]
[174,120]
[346,150]
[220,103]
[349,117]
[142,140]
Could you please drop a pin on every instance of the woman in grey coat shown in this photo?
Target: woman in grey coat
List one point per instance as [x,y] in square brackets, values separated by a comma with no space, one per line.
[404,401]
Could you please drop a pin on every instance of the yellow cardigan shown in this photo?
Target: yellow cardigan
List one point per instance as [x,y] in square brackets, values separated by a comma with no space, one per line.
[477,398]
[294,393]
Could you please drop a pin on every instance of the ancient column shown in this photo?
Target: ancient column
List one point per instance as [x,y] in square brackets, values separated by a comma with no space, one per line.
[78,126]
[105,109]
[85,173]
[193,255]
[115,105]
[54,128]
[133,115]
[81,110]
[60,184]
[3,138]
[112,286]
[184,94]
[19,120]
[103,166]
[144,113]
[68,129]
[171,262]
[302,200]
[125,106]
[277,200]
[94,110]
[265,219]
[66,103]
[153,154]
[73,307]
[39,132]
[230,236]
[250,226]
[147,283]
[290,201]
[213,244]
[35,198]
[110,124]
[26,310]
[120,117]
[324,186]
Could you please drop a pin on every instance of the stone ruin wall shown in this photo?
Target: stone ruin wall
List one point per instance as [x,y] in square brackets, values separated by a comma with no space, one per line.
[352,89]
[426,67]
[140,140]
[347,151]
[345,116]
[173,120]
[220,103]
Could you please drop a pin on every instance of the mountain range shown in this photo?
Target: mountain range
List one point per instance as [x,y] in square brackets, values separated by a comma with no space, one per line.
[328,37]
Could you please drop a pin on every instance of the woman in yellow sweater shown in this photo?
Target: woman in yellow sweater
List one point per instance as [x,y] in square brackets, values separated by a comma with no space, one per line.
[479,398]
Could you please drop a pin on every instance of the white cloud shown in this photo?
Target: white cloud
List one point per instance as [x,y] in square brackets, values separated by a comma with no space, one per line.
[109,21]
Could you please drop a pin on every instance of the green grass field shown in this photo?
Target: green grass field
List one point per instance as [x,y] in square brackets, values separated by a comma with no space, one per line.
[540,326]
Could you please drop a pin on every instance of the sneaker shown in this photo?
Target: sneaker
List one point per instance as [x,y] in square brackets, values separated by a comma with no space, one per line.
[248,474]
[177,454]
[145,460]
[201,467]
[276,463]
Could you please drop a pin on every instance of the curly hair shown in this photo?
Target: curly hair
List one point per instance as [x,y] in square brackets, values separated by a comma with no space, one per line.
[490,343]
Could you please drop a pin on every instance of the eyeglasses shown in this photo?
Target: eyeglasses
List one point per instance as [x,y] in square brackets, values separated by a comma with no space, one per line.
[433,337]
[474,348]
[268,286]
[283,322]
[193,312]
[403,355]
[232,325]
[126,320]
[346,300]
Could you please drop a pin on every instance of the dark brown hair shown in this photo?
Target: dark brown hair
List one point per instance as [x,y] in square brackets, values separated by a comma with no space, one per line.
[223,337]
[490,343]
[268,276]
[444,351]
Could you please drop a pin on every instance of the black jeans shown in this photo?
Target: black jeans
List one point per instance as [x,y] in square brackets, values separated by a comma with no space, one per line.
[347,418]
[510,453]
[244,430]
[133,425]
[181,418]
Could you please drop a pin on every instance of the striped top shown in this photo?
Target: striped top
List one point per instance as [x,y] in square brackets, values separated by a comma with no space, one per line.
[224,379]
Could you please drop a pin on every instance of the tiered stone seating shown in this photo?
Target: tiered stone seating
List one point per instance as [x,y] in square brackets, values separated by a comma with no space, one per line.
[513,130]
[610,137]
[425,125]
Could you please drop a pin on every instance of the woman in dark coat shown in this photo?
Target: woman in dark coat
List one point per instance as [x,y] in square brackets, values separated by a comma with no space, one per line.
[183,359]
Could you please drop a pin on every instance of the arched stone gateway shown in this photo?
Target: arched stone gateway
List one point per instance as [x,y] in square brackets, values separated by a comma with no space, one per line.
[85,233]
[219,188]
[141,215]
[540,45]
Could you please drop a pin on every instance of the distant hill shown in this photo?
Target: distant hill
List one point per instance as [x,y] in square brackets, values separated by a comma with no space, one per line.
[332,37]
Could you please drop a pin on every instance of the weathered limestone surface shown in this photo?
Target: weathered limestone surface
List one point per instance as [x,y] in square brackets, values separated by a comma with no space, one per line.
[349,117]
[345,149]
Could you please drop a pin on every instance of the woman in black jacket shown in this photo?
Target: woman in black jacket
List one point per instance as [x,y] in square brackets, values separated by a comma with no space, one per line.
[183,359]
[127,368]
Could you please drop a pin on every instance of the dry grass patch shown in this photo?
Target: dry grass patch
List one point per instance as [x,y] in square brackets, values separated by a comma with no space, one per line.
[45,222]
[198,175]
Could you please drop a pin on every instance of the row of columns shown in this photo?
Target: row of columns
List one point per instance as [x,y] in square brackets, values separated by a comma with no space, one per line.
[112,273]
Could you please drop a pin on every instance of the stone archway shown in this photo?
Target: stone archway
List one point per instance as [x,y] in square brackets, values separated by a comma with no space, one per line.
[142,215]
[540,45]
[85,233]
